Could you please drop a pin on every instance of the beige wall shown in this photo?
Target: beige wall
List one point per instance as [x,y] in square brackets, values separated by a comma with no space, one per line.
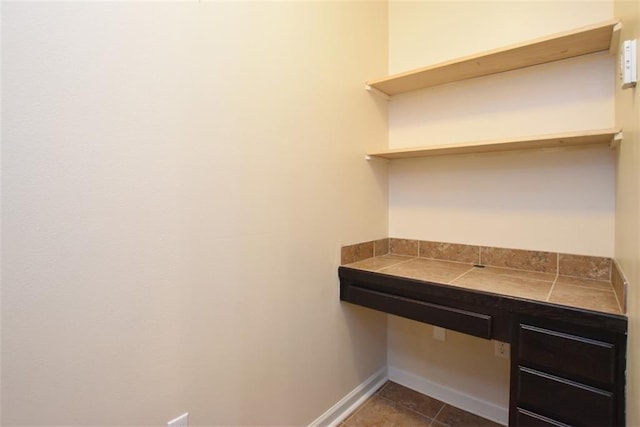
[177,181]
[556,200]
[539,201]
[628,209]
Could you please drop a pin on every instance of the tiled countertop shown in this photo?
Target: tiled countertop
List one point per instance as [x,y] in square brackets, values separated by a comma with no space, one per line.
[596,295]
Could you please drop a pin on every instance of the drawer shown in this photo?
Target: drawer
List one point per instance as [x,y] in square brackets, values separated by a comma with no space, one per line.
[578,357]
[565,400]
[463,321]
[530,419]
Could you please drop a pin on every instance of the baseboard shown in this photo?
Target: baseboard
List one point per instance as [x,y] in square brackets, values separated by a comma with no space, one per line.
[448,395]
[341,410]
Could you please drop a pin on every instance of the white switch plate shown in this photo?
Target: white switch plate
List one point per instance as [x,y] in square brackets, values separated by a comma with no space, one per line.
[629,64]
[439,333]
[181,421]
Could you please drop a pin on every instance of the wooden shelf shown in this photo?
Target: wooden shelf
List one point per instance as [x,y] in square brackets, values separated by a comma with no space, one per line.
[569,44]
[609,137]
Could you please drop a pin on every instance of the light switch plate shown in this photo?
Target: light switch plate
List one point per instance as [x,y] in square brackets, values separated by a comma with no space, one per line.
[629,64]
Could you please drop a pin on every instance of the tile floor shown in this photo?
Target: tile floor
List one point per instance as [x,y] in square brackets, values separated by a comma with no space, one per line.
[396,406]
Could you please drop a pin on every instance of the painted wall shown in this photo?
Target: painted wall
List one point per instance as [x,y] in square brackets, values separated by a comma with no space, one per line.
[540,201]
[628,208]
[555,200]
[178,179]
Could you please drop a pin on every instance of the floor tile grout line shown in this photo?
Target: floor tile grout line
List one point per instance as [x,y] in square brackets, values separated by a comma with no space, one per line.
[397,407]
[363,404]
[436,416]
[431,419]
[413,410]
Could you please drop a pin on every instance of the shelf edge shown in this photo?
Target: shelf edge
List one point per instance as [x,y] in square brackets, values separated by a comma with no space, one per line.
[614,24]
[609,137]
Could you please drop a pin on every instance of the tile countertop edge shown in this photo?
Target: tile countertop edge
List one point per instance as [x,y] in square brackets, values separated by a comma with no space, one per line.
[571,292]
[516,305]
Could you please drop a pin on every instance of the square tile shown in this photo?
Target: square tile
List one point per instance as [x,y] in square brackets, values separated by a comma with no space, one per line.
[454,417]
[428,270]
[380,262]
[403,247]
[583,297]
[619,282]
[411,399]
[394,405]
[585,283]
[588,267]
[354,253]
[450,252]
[380,247]
[520,287]
[381,412]
[545,262]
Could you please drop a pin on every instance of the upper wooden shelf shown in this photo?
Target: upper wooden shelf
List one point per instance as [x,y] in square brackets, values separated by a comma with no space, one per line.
[568,44]
[609,137]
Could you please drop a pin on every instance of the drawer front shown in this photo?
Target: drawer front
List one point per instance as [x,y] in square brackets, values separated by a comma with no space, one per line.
[565,400]
[530,419]
[574,356]
[463,321]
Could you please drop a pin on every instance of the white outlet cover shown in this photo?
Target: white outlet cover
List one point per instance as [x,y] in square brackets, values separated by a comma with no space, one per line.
[439,334]
[181,421]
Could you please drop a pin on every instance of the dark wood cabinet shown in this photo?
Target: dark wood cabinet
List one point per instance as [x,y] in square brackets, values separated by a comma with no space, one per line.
[526,418]
[567,374]
[573,355]
[567,364]
[468,322]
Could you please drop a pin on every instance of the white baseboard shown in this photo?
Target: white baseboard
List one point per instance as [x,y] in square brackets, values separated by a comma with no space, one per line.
[341,410]
[448,395]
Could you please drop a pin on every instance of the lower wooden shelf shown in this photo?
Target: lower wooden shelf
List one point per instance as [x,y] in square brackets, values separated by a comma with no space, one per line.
[611,137]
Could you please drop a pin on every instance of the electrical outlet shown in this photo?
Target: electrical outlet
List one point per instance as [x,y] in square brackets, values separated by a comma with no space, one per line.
[501,349]
[439,334]
[181,421]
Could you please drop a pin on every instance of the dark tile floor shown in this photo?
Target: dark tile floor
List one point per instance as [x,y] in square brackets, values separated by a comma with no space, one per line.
[396,406]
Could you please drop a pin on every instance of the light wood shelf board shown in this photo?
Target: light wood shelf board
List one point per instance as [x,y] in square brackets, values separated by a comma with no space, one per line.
[568,44]
[568,139]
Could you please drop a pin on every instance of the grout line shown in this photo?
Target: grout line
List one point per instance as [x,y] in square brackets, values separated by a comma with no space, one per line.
[447,260]
[585,278]
[411,409]
[512,272]
[436,416]
[456,278]
[553,285]
[514,276]
[398,263]
[590,287]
